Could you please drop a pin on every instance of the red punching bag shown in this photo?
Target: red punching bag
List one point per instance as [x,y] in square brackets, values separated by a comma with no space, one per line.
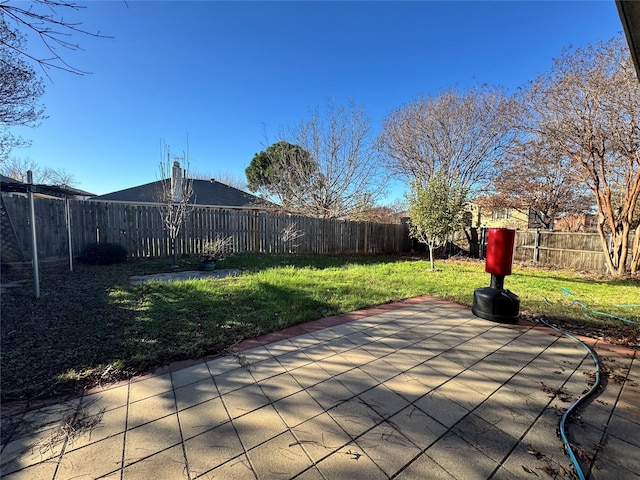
[500,251]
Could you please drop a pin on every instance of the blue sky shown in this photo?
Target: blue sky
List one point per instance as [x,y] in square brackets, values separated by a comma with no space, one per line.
[228,73]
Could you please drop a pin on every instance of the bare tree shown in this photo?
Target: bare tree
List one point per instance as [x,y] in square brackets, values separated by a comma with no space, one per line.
[588,108]
[17,167]
[462,134]
[346,175]
[174,194]
[228,178]
[533,177]
[20,90]
[46,21]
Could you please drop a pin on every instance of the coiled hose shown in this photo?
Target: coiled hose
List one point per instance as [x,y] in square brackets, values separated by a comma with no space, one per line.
[602,314]
[580,400]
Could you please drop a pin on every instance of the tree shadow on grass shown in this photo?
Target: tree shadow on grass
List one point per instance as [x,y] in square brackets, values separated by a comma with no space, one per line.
[191,319]
[85,331]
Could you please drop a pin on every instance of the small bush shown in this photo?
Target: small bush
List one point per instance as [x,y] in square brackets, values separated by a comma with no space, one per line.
[103,254]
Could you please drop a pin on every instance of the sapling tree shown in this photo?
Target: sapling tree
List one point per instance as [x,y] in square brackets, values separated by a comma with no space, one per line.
[174,195]
[289,235]
[436,209]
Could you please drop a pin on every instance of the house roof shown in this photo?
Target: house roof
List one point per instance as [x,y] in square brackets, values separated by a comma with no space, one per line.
[8,184]
[205,192]
[629,11]
[5,179]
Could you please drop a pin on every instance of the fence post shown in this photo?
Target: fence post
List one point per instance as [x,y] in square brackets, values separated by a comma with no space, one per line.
[34,237]
[536,246]
[483,242]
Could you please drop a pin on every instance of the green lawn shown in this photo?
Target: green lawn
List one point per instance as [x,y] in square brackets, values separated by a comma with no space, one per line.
[91,326]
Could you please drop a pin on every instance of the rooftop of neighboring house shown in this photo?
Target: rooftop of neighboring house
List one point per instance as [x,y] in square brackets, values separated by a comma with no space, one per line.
[16,186]
[205,192]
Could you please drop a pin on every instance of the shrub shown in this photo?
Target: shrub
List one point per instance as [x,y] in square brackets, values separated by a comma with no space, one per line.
[217,249]
[103,254]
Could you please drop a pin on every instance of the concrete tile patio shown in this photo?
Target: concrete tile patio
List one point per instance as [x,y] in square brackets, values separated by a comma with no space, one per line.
[420,389]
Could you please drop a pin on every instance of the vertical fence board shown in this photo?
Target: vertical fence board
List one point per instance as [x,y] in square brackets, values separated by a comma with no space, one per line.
[140,229]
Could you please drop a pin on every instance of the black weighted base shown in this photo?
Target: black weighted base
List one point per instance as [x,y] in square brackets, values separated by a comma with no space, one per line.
[496,304]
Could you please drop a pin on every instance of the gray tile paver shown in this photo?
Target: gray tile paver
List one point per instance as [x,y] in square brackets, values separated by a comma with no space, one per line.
[202,417]
[487,438]
[320,436]
[350,463]
[441,408]
[626,454]
[228,363]
[355,417]
[424,391]
[381,370]
[294,360]
[99,427]
[195,393]
[280,386]
[388,448]
[244,400]
[92,461]
[280,348]
[109,399]
[190,375]
[608,470]
[238,468]
[417,426]
[357,381]
[451,449]
[422,468]
[151,438]
[383,400]
[150,409]
[259,426]
[310,474]
[457,391]
[279,458]
[149,387]
[43,470]
[167,464]
[30,450]
[330,393]
[297,408]
[335,365]
[233,380]
[266,369]
[310,375]
[212,448]
[407,386]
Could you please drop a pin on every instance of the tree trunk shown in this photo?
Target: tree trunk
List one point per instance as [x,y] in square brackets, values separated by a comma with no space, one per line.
[431,247]
[635,259]
[174,247]
[474,243]
[616,258]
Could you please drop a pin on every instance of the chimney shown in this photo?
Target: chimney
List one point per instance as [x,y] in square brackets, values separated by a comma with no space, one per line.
[176,182]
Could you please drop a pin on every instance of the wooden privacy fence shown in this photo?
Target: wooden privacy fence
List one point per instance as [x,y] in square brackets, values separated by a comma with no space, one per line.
[139,228]
[574,250]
